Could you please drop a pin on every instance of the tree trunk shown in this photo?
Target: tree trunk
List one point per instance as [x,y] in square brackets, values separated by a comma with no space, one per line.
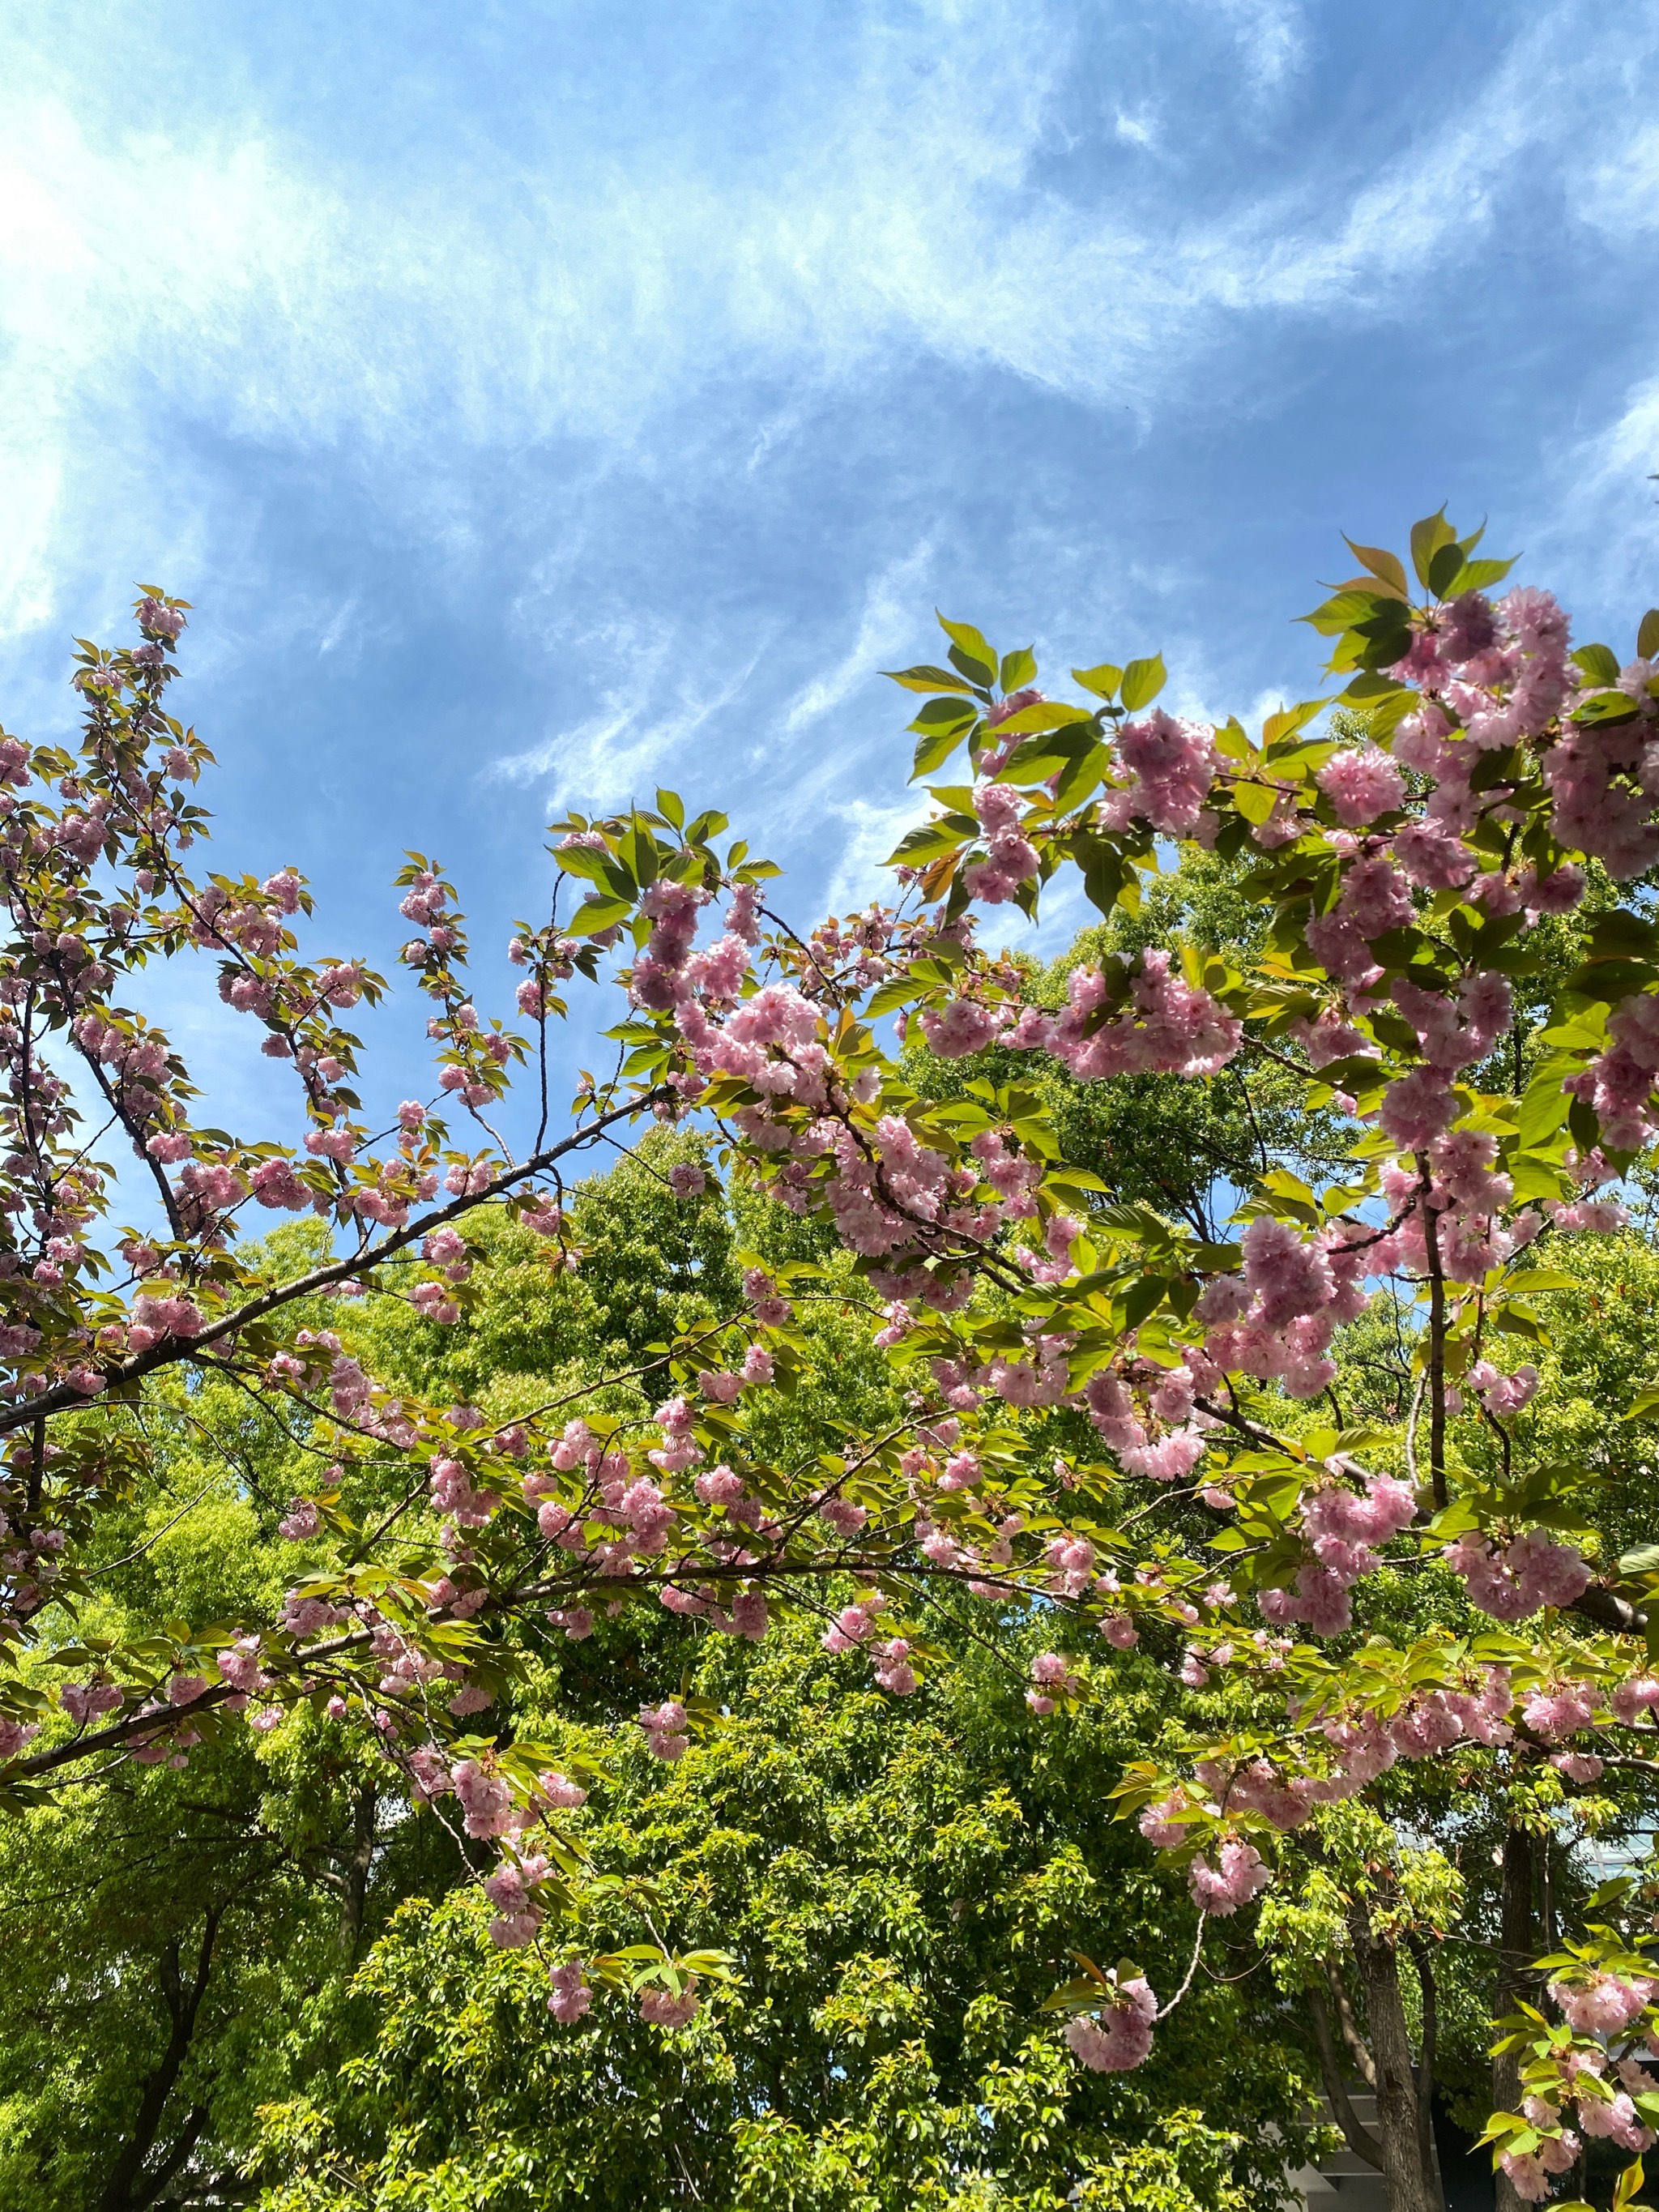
[1419,1951]
[129,2188]
[354,1895]
[1516,1948]
[1407,2159]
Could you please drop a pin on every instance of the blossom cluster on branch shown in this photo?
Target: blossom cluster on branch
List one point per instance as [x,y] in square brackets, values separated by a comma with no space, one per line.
[1485,775]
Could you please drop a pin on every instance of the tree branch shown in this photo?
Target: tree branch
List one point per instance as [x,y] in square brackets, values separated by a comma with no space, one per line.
[1360,2140]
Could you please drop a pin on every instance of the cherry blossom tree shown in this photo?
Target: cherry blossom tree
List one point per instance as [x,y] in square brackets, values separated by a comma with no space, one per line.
[1485,775]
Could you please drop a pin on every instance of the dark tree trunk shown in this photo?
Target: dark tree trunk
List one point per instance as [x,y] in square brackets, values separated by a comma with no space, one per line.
[1517,1946]
[1419,1951]
[354,1895]
[130,2188]
[1408,2159]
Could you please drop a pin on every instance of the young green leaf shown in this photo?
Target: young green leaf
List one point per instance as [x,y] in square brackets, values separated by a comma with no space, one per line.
[927,677]
[1142,681]
[1103,681]
[1386,567]
[970,650]
[1599,663]
[1427,538]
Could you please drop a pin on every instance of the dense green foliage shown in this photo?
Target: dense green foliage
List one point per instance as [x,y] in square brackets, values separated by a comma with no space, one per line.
[902,1884]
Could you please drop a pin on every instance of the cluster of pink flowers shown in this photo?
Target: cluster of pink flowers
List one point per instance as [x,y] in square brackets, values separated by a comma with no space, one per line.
[1120,2036]
[1619,1083]
[571,1994]
[1342,1529]
[1237,1877]
[666,1729]
[1012,858]
[1275,1319]
[1600,2005]
[518,1916]
[1053,1678]
[1529,1574]
[1172,766]
[660,2007]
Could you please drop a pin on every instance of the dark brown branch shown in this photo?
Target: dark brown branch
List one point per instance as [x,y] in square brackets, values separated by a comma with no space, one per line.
[1358,2050]
[125,2191]
[173,1349]
[1359,2139]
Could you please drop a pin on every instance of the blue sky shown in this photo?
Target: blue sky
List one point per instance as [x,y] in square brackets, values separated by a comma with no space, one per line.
[541,401]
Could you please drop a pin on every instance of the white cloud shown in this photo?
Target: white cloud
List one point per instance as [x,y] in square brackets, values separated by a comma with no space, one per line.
[622,749]
[224,272]
[871,832]
[1619,193]
[887,619]
[1270,38]
[1601,510]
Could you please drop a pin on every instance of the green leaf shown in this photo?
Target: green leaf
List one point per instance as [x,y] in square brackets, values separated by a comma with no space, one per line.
[1102,878]
[1476,576]
[1049,714]
[1371,686]
[1287,721]
[1101,681]
[595,914]
[1622,935]
[970,651]
[1231,739]
[1546,1106]
[1599,664]
[946,714]
[1017,669]
[1384,566]
[1080,777]
[1038,758]
[942,724]
[930,841]
[586,860]
[1536,1176]
[637,851]
[1444,568]
[927,677]
[891,995]
[672,807]
[933,752]
[1604,707]
[1427,538]
[1643,1560]
[1515,1321]
[1343,608]
[1647,635]
[1142,1299]
[1142,681]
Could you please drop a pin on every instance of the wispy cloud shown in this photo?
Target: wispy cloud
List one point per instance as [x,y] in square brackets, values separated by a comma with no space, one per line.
[226,273]
[633,739]
[1270,37]
[888,617]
